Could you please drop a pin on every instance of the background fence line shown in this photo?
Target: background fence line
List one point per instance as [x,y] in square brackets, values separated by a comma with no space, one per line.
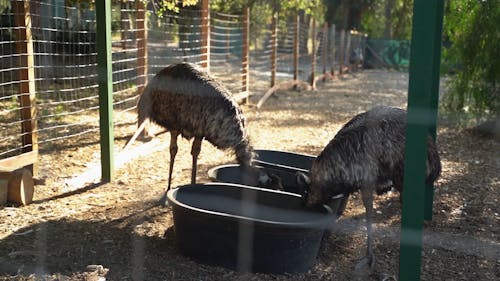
[50,94]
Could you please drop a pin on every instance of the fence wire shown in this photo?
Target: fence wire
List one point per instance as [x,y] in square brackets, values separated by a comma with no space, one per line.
[65,62]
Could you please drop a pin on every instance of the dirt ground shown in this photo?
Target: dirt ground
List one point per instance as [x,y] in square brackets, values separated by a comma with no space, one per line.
[120,226]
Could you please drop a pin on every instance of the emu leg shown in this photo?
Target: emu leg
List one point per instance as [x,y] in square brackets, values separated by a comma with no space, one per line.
[195,151]
[369,260]
[343,205]
[173,152]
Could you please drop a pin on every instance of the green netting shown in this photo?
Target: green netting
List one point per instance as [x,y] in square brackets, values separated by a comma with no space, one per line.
[382,53]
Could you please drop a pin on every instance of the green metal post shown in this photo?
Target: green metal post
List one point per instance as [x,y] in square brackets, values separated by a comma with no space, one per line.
[422,115]
[104,71]
[438,30]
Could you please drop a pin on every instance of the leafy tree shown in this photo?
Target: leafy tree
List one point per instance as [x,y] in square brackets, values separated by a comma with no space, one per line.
[346,14]
[471,27]
[389,19]
[4,4]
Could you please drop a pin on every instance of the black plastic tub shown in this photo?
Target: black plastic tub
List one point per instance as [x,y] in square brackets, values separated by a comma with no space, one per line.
[284,160]
[246,228]
[233,173]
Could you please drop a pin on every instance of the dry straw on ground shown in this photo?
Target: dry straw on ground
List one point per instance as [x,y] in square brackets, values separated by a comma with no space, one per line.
[119,225]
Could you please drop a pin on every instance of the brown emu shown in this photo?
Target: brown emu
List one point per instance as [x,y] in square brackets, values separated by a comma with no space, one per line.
[188,102]
[367,154]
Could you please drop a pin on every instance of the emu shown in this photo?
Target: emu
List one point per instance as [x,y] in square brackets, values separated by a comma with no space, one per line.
[367,154]
[188,102]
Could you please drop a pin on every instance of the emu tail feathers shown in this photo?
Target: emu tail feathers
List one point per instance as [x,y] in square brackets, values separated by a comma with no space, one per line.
[144,109]
[136,134]
[145,104]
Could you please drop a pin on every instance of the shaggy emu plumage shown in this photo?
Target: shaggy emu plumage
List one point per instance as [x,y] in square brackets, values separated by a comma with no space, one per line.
[367,154]
[188,102]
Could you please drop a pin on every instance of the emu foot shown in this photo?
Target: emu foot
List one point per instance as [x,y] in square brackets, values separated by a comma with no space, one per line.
[163,200]
[145,137]
[365,265]
[387,277]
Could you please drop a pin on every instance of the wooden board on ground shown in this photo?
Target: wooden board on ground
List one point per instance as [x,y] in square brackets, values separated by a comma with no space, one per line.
[20,186]
[4,185]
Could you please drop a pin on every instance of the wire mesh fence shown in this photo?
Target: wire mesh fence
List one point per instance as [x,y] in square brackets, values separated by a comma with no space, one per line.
[48,54]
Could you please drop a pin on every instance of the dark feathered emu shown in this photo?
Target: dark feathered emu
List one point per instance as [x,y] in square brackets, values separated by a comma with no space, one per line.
[187,101]
[367,154]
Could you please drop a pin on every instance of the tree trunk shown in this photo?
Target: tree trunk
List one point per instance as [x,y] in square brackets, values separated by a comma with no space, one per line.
[388,18]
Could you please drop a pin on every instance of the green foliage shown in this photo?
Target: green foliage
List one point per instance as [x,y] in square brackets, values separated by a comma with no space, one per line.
[164,6]
[471,26]
[4,4]
[261,12]
[389,19]
[310,7]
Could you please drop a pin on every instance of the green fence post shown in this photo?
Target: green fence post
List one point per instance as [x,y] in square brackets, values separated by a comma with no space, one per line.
[429,190]
[105,81]
[422,112]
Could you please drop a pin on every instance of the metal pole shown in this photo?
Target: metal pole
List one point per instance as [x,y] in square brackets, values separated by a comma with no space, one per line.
[105,77]
[422,115]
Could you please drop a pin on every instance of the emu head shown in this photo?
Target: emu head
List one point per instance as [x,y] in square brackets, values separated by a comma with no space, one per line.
[270,180]
[316,193]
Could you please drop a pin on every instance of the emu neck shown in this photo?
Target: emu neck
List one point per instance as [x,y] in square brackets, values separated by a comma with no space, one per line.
[244,154]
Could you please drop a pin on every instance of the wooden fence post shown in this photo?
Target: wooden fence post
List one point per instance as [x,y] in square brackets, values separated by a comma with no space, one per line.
[27,100]
[333,50]
[313,55]
[274,51]
[296,49]
[142,50]
[124,23]
[228,41]
[245,63]
[342,51]
[325,42]
[205,35]
[348,50]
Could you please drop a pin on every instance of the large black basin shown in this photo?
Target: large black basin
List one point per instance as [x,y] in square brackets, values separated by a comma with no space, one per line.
[233,173]
[284,160]
[247,228]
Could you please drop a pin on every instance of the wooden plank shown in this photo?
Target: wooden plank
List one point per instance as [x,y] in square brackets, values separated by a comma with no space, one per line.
[26,73]
[284,85]
[20,186]
[18,161]
[4,189]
